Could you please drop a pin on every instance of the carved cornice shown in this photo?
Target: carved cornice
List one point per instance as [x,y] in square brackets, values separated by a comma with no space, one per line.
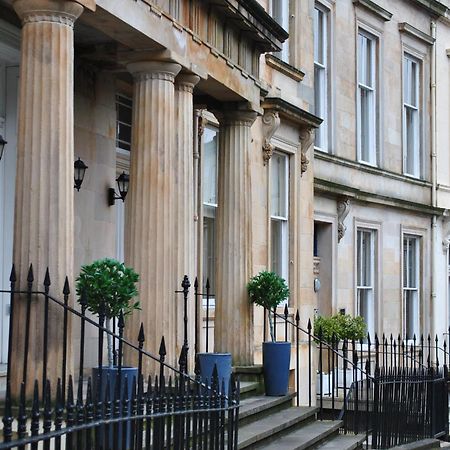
[343,208]
[414,32]
[270,123]
[306,141]
[382,13]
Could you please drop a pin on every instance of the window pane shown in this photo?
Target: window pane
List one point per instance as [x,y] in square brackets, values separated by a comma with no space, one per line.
[412,140]
[278,164]
[319,36]
[411,80]
[210,155]
[365,258]
[365,61]
[320,100]
[411,313]
[209,251]
[277,247]
[123,122]
[367,125]
[366,308]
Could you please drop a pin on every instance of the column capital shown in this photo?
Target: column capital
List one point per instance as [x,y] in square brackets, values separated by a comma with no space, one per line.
[236,117]
[65,12]
[154,70]
[186,82]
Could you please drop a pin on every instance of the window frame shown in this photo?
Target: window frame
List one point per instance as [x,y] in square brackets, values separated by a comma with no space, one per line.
[322,110]
[418,262]
[372,286]
[284,22]
[118,141]
[418,169]
[372,90]
[283,220]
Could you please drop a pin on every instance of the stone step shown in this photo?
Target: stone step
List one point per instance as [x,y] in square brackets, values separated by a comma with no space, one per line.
[307,436]
[269,427]
[256,407]
[248,389]
[424,444]
[343,442]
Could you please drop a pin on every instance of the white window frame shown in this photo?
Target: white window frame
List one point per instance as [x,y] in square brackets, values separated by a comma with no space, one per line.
[321,74]
[282,17]
[415,109]
[370,286]
[120,96]
[211,206]
[370,89]
[406,284]
[282,219]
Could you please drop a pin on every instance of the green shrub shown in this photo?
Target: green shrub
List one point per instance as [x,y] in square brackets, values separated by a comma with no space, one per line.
[340,327]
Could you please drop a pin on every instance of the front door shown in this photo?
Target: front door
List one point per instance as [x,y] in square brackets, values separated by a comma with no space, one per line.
[8,129]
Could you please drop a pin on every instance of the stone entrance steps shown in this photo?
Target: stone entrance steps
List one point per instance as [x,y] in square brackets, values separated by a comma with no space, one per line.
[273,423]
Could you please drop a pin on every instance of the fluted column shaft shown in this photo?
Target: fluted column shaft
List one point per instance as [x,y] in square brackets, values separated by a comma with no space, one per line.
[233,326]
[149,246]
[184,238]
[44,215]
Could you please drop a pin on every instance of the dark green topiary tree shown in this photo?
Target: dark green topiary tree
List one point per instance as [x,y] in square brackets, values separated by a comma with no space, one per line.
[267,289]
[108,284]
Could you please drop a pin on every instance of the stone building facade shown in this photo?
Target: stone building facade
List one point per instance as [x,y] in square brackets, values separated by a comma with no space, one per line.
[257,135]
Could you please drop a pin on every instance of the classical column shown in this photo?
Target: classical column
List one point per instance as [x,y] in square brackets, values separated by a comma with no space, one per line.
[184,237]
[149,246]
[43,230]
[233,326]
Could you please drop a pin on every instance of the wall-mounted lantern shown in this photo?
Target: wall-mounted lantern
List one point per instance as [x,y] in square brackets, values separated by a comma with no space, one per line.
[80,169]
[123,182]
[2,146]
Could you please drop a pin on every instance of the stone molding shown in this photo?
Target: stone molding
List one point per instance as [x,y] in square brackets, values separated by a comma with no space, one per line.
[414,32]
[186,82]
[238,118]
[55,11]
[382,13]
[154,70]
[306,141]
[270,123]
[343,208]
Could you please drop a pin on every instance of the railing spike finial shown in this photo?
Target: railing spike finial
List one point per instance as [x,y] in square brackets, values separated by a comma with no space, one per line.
[207,284]
[35,406]
[196,283]
[185,284]
[83,300]
[368,339]
[141,336]
[66,289]
[297,317]
[47,281]
[309,326]
[12,276]
[162,348]
[286,311]
[30,276]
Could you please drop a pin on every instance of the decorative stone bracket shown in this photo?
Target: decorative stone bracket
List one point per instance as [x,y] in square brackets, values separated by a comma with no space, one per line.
[343,208]
[270,124]
[306,140]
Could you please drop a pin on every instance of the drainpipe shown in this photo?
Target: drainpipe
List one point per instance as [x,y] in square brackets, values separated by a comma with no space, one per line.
[434,240]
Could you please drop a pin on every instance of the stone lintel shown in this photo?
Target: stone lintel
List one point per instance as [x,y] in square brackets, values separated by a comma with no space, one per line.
[433,6]
[414,32]
[291,112]
[284,67]
[382,13]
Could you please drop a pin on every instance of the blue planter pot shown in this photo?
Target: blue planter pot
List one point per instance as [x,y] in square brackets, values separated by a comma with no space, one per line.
[127,377]
[276,359]
[223,364]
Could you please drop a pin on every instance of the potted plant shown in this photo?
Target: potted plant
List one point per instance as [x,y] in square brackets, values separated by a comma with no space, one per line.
[109,285]
[267,289]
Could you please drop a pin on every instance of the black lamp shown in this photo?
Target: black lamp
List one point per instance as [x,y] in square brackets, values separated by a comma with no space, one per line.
[2,146]
[123,182]
[80,169]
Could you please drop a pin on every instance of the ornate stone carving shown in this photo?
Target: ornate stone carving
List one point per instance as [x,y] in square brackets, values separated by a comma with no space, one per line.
[271,121]
[306,140]
[343,208]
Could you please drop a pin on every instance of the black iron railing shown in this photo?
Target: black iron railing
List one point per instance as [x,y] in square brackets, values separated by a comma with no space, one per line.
[176,410]
[349,372]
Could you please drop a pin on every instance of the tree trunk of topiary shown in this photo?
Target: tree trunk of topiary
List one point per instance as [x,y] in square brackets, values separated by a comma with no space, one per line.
[109,342]
[271,325]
